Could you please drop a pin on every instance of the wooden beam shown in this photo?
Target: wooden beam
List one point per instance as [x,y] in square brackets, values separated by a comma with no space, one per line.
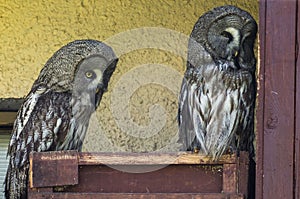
[8,110]
[277,144]
[260,101]
[7,118]
[67,173]
[86,158]
[297,118]
[145,179]
[136,196]
[10,104]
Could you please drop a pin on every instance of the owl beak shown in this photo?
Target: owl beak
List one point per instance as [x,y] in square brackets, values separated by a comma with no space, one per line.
[236,53]
[98,94]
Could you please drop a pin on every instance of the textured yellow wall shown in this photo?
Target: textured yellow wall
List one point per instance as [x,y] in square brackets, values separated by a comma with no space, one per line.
[31,31]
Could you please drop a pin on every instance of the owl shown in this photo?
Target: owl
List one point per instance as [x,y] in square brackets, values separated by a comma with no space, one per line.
[217,97]
[55,114]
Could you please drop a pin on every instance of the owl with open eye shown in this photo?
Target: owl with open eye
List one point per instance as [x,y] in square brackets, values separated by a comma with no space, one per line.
[217,98]
[55,114]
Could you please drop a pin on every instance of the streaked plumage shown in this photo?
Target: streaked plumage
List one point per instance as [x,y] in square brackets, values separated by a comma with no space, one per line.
[218,91]
[56,112]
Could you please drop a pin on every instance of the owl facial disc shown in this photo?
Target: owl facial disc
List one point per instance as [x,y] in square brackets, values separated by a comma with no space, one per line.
[232,50]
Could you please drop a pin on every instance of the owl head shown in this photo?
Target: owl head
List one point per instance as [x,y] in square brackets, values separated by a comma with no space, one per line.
[82,67]
[227,34]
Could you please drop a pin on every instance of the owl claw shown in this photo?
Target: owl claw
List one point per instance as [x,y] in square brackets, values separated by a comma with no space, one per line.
[230,150]
[196,150]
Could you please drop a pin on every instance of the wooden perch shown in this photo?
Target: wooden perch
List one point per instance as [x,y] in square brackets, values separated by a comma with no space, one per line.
[70,174]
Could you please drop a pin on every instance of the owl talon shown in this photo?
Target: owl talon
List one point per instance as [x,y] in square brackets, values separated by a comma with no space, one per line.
[196,150]
[230,150]
[219,78]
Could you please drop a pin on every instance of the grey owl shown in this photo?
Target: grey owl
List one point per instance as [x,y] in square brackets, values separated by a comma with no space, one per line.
[56,112]
[217,98]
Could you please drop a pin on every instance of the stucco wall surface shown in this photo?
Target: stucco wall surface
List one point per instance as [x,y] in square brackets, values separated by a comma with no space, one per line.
[139,111]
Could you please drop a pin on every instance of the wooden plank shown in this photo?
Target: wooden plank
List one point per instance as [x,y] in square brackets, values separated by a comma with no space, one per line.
[53,168]
[8,110]
[297,118]
[86,158]
[260,101]
[10,104]
[279,109]
[135,196]
[137,174]
[230,178]
[243,168]
[171,179]
[33,191]
[7,118]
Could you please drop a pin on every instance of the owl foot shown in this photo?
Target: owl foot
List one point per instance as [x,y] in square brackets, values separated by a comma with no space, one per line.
[230,150]
[196,150]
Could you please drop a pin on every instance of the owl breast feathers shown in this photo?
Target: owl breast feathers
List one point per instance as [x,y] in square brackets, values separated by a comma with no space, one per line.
[56,112]
[218,91]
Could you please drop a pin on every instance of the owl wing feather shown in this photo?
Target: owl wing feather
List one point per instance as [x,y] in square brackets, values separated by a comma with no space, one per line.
[56,112]
[213,115]
[41,125]
[193,107]
[186,132]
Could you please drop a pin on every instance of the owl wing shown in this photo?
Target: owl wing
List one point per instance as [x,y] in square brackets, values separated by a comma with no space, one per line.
[192,115]
[35,129]
[245,135]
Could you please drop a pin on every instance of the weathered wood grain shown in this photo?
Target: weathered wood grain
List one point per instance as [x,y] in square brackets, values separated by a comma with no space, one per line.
[136,196]
[53,169]
[68,173]
[259,114]
[297,118]
[131,179]
[150,158]
[277,127]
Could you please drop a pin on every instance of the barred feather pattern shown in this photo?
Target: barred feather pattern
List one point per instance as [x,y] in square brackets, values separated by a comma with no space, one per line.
[217,97]
[55,114]
[53,124]
[215,110]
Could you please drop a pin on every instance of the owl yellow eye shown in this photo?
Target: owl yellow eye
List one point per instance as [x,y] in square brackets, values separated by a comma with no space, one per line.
[89,74]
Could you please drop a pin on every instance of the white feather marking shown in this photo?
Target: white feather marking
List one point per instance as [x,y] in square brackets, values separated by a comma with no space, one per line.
[199,130]
[29,139]
[235,34]
[82,133]
[97,80]
[27,109]
[12,140]
[58,123]
[197,110]
[42,147]
[48,143]
[36,136]
[49,114]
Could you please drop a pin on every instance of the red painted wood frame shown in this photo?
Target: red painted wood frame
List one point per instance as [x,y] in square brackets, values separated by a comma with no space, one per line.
[278,109]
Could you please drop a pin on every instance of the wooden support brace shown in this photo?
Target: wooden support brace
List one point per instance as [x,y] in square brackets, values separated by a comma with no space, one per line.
[53,169]
[70,174]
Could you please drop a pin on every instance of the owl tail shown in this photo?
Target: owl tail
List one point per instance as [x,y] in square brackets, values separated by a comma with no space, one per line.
[16,182]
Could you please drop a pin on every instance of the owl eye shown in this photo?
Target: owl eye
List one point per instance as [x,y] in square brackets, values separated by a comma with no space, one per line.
[227,35]
[89,74]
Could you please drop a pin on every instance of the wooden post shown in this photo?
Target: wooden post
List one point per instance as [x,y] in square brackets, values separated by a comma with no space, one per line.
[297,90]
[276,100]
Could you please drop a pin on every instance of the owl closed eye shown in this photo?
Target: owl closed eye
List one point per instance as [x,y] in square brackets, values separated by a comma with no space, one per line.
[217,97]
